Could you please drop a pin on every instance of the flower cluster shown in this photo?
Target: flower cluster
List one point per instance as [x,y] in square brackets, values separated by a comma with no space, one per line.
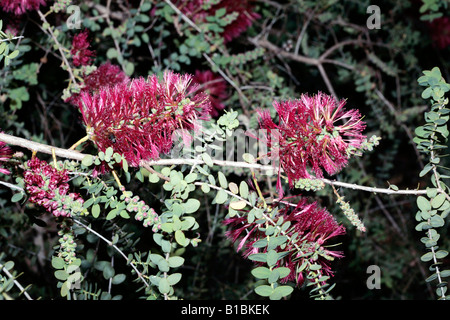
[351,214]
[142,211]
[19,7]
[440,32]
[5,154]
[313,227]
[138,118]
[106,75]
[239,13]
[48,187]
[67,244]
[314,133]
[81,55]
[215,86]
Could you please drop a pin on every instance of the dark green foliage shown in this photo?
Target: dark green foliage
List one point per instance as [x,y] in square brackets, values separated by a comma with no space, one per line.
[294,47]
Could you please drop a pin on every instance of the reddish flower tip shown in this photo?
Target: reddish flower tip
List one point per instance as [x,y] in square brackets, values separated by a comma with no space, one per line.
[440,32]
[48,187]
[314,134]
[5,154]
[313,226]
[138,117]
[81,55]
[239,13]
[105,75]
[215,86]
[19,7]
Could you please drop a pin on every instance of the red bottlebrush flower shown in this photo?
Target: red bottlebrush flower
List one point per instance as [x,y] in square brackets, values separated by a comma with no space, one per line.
[19,7]
[215,86]
[48,187]
[243,11]
[314,227]
[314,133]
[440,32]
[105,75]
[5,154]
[81,55]
[137,118]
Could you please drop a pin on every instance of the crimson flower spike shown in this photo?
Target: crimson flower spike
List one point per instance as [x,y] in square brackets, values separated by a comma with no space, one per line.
[313,226]
[315,134]
[139,117]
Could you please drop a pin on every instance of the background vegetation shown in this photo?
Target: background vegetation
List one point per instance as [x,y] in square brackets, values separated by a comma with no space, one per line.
[289,48]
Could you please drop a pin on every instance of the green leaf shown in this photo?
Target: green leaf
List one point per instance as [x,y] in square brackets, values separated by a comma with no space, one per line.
[207,158]
[118,278]
[190,177]
[261,272]
[124,165]
[233,187]
[272,258]
[155,258]
[264,290]
[220,12]
[437,221]
[284,272]
[108,271]
[61,275]
[423,204]
[280,292]
[259,257]
[124,214]
[112,214]
[65,288]
[260,243]
[438,200]
[445,273]
[58,262]
[17,197]
[87,160]
[153,178]
[13,54]
[164,286]
[274,276]
[180,238]
[243,189]
[111,53]
[191,205]
[221,196]
[163,265]
[427,257]
[222,180]
[238,205]
[95,210]
[175,262]
[205,188]
[440,254]
[8,265]
[432,192]
[432,277]
[174,278]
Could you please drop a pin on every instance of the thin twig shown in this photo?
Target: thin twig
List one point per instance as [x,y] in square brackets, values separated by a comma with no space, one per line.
[372,189]
[74,155]
[40,147]
[17,283]
[63,56]
[114,246]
